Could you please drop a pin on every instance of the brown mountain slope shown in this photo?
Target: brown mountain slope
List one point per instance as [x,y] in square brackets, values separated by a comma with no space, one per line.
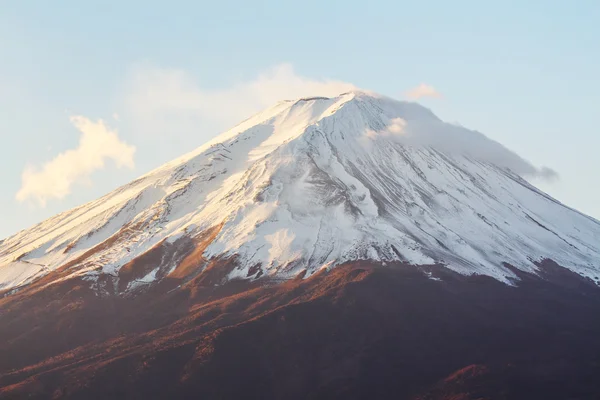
[360,331]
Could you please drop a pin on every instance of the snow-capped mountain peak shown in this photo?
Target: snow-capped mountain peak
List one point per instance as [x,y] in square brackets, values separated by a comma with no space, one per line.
[311,183]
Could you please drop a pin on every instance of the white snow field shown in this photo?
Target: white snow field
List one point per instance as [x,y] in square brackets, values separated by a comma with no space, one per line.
[315,182]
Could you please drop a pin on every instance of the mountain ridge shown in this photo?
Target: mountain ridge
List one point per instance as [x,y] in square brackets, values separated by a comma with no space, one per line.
[311,183]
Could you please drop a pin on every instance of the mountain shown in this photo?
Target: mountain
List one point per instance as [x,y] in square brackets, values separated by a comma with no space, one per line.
[313,183]
[353,246]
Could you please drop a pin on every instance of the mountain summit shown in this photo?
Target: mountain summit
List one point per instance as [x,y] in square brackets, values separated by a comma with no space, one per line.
[310,184]
[351,247]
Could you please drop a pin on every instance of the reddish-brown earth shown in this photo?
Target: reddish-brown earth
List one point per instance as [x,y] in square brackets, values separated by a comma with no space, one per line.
[360,331]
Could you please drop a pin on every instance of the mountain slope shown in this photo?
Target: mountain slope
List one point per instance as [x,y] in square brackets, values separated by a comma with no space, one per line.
[359,331]
[352,247]
[307,185]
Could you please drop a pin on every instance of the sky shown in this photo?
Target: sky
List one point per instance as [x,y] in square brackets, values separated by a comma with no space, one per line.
[96,93]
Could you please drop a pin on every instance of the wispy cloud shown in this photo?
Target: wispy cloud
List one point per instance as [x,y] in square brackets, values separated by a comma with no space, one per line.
[396,126]
[161,97]
[454,139]
[55,179]
[423,90]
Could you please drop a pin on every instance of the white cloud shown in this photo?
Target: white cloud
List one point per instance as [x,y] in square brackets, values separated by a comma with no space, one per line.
[423,90]
[171,99]
[395,127]
[455,139]
[54,179]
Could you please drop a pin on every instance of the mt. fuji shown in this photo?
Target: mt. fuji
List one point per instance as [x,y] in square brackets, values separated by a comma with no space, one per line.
[310,184]
[350,247]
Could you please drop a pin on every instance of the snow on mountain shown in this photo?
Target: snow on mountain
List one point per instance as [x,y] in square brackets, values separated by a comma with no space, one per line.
[315,182]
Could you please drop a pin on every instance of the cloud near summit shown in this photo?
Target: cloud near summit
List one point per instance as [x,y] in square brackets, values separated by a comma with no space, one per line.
[457,140]
[158,96]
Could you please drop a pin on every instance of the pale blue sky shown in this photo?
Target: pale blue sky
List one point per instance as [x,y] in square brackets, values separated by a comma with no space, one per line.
[523,74]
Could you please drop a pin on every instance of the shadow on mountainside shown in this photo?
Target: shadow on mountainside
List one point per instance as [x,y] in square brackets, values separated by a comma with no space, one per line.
[360,331]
